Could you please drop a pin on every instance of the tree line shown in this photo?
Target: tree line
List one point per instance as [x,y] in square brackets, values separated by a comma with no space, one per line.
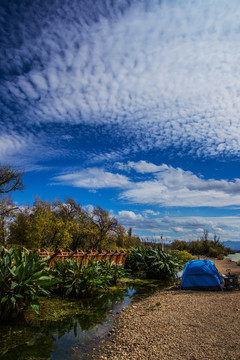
[203,246]
[58,224]
[68,225]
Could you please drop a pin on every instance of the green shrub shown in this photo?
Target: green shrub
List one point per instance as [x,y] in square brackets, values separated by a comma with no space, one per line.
[155,262]
[183,256]
[220,256]
[79,280]
[24,279]
[204,246]
[213,252]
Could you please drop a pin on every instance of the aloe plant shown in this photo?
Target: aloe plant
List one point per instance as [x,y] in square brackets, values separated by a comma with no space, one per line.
[155,262]
[78,280]
[113,271]
[24,279]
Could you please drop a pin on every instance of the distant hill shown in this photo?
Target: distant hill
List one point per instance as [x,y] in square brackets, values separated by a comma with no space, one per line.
[234,245]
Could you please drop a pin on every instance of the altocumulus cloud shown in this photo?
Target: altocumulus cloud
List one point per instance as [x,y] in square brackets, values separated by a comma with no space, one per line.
[168,186]
[165,72]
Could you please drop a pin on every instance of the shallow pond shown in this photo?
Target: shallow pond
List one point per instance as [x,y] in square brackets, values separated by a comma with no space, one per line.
[234,257]
[70,329]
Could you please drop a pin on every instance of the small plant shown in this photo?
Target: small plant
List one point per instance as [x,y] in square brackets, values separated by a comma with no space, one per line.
[24,279]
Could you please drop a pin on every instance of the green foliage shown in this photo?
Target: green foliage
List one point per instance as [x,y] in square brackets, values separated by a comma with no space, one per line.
[67,225]
[78,280]
[183,256]
[155,262]
[204,246]
[24,278]
[180,245]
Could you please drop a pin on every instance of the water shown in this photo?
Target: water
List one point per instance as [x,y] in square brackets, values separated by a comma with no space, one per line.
[69,329]
[233,257]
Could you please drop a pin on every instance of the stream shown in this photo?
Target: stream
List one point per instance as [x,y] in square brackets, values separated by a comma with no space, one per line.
[70,329]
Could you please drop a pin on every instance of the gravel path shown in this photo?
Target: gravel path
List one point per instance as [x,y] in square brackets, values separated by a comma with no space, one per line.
[179,325]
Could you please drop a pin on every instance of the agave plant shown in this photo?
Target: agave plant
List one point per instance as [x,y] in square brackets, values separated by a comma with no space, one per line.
[24,279]
[80,280]
[155,262]
[111,271]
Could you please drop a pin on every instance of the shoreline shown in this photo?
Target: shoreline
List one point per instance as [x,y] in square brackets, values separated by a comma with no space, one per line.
[181,325]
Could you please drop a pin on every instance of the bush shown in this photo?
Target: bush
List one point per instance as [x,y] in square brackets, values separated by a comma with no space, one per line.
[24,279]
[204,247]
[79,280]
[183,256]
[155,262]
[213,253]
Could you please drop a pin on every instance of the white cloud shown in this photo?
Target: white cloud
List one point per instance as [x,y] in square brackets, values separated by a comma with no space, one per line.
[183,228]
[141,167]
[26,150]
[92,178]
[176,187]
[178,229]
[169,187]
[67,137]
[93,191]
[166,73]
[89,208]
[151,212]
[129,216]
[11,145]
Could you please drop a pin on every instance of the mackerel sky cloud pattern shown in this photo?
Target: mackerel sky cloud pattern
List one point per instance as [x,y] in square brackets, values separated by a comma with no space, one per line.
[136,103]
[166,71]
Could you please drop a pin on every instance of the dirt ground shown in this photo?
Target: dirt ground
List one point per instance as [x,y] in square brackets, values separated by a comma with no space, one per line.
[179,325]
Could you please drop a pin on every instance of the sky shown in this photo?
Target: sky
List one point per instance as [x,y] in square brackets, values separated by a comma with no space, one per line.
[130,105]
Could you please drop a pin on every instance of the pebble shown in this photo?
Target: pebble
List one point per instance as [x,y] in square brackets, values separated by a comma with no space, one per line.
[190,325]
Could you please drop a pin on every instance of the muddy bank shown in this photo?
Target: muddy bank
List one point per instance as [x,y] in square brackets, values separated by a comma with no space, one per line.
[182,325]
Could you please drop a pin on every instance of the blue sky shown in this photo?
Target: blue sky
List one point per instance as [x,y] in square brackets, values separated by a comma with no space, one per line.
[130,105]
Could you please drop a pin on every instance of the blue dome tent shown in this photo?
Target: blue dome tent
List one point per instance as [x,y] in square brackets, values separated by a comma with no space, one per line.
[201,274]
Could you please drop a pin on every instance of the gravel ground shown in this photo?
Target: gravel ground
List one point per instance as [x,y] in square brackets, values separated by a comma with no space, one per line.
[179,325]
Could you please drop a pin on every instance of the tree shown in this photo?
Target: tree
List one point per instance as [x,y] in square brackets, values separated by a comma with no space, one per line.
[106,225]
[10,179]
[130,232]
[179,245]
[20,227]
[83,228]
[39,227]
[6,211]
[121,236]
[216,240]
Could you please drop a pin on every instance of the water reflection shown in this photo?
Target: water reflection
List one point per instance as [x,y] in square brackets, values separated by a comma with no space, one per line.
[69,329]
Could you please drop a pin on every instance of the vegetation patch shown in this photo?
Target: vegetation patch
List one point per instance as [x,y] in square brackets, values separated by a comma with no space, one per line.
[156,263]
